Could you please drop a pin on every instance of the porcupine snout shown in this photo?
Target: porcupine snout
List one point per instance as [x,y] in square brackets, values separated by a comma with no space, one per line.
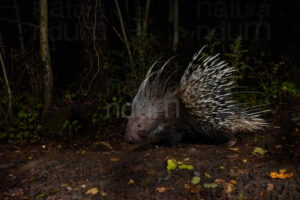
[138,128]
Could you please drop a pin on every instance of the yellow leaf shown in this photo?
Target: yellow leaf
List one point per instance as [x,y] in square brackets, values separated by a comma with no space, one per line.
[171,165]
[282,171]
[244,160]
[234,149]
[281,175]
[234,182]
[195,180]
[189,167]
[259,150]
[210,185]
[186,159]
[92,191]
[131,181]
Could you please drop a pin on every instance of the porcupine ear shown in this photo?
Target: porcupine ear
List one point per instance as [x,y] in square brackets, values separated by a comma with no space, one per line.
[205,90]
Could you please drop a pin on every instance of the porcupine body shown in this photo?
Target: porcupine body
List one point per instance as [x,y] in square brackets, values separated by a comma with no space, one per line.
[199,103]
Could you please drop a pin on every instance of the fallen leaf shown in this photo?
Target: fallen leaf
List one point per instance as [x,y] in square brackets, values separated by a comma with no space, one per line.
[114,159]
[220,181]
[210,185]
[241,196]
[259,150]
[270,187]
[229,188]
[221,167]
[234,149]
[207,175]
[131,181]
[244,160]
[161,189]
[187,187]
[103,194]
[171,165]
[69,188]
[234,182]
[281,175]
[189,167]
[195,180]
[83,186]
[186,159]
[92,191]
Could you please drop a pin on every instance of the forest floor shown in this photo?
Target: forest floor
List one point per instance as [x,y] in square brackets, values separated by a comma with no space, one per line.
[262,165]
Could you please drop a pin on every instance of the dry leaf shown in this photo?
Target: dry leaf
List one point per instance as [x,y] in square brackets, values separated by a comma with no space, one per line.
[207,175]
[114,159]
[92,191]
[161,189]
[229,188]
[103,194]
[281,175]
[270,187]
[131,181]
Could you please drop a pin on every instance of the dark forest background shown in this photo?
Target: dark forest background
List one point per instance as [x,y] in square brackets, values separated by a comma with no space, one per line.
[101,49]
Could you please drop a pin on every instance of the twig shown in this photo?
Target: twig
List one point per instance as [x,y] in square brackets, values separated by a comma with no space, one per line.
[18,22]
[95,48]
[123,31]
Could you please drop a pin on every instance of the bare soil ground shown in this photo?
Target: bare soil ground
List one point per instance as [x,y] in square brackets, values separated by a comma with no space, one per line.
[108,170]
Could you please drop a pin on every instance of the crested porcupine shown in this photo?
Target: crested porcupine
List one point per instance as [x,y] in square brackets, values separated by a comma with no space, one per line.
[199,103]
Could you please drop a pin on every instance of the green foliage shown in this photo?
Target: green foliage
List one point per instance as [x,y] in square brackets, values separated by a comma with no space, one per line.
[71,127]
[109,110]
[237,57]
[25,123]
[267,82]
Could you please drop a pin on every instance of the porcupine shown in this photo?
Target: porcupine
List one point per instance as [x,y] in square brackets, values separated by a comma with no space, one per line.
[200,103]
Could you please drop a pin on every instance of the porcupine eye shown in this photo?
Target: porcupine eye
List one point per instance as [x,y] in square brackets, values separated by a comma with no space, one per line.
[139,125]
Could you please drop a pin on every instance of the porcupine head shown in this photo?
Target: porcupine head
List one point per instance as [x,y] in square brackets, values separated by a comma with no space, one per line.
[201,101]
[155,109]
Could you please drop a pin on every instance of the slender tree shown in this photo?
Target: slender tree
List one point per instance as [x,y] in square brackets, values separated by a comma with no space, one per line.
[9,110]
[176,26]
[46,59]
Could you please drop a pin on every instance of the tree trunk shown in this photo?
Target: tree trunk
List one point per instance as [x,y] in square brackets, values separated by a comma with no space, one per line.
[9,110]
[176,26]
[45,56]
[145,22]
